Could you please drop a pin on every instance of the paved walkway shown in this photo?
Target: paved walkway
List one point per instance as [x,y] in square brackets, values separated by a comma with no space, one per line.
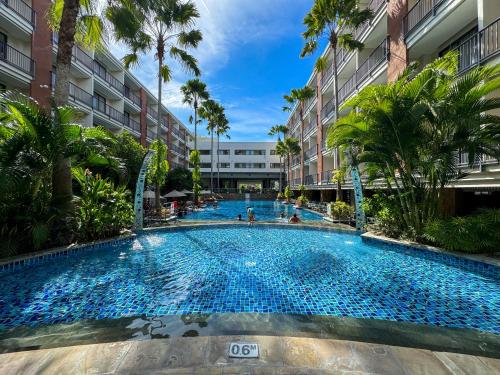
[278,355]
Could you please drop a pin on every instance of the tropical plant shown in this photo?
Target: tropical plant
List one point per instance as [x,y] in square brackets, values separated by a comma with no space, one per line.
[73,20]
[195,92]
[478,233]
[102,210]
[410,132]
[341,210]
[300,97]
[287,193]
[194,160]
[179,178]
[337,19]
[222,129]
[383,208]
[289,148]
[132,154]
[165,26]
[278,130]
[213,112]
[158,169]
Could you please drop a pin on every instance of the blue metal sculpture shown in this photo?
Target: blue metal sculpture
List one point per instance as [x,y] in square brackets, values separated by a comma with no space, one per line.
[139,192]
[358,188]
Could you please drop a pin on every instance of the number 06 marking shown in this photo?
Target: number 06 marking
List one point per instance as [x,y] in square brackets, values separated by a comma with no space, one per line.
[243,350]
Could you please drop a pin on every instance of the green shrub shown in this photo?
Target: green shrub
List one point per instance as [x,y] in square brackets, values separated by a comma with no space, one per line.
[384,210]
[102,210]
[302,200]
[287,193]
[341,210]
[471,234]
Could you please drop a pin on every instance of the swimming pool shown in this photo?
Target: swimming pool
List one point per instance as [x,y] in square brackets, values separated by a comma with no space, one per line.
[261,269]
[264,211]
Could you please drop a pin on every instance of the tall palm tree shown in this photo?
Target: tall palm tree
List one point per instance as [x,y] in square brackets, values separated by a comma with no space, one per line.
[195,92]
[278,130]
[221,129]
[289,147]
[159,25]
[410,131]
[337,20]
[300,97]
[73,20]
[212,112]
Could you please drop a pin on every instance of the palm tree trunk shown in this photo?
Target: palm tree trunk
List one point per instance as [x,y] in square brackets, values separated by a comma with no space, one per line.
[336,112]
[160,47]
[218,162]
[212,160]
[302,154]
[195,125]
[279,183]
[62,192]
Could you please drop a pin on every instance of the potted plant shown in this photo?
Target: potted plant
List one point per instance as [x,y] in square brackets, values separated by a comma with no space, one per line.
[287,194]
[341,211]
[301,200]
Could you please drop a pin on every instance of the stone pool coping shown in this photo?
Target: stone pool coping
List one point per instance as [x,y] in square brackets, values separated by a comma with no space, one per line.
[482,258]
[278,355]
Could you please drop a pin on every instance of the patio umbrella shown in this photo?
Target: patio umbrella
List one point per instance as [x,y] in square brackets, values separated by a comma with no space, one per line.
[149,194]
[205,192]
[185,191]
[174,194]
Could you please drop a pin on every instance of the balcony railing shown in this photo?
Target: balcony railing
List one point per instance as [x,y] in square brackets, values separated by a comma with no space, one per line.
[311,153]
[178,149]
[79,95]
[106,76]
[296,182]
[421,11]
[327,74]
[132,124]
[110,112]
[328,109]
[311,179]
[313,124]
[378,56]
[77,54]
[16,58]
[326,177]
[295,162]
[375,6]
[136,99]
[151,135]
[153,113]
[22,9]
[479,47]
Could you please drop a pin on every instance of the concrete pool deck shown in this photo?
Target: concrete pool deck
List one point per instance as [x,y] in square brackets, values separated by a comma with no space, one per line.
[278,355]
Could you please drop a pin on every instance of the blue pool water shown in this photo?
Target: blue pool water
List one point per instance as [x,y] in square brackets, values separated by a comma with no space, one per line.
[263,210]
[264,269]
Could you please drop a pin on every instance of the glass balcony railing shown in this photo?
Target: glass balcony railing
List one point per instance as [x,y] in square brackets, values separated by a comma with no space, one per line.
[17,59]
[79,95]
[22,9]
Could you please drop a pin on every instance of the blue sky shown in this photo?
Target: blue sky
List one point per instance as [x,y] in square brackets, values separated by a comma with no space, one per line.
[249,58]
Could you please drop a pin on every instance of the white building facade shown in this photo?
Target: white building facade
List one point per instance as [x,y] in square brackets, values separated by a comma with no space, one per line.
[240,166]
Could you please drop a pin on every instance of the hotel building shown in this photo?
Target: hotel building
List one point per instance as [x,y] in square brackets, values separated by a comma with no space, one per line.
[101,88]
[252,164]
[402,31]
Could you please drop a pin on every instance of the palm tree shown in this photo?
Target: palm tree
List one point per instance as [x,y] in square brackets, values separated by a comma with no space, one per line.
[212,112]
[289,147]
[337,20]
[162,26]
[221,129]
[300,97]
[410,132]
[73,20]
[194,92]
[277,130]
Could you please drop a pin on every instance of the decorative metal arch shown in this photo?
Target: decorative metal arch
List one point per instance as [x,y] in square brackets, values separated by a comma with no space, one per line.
[139,192]
[358,198]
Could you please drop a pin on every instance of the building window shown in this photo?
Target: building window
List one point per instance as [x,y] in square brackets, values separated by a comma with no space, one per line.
[204,152]
[99,69]
[205,165]
[275,165]
[249,152]
[273,152]
[223,152]
[3,46]
[250,165]
[224,165]
[100,102]
[126,118]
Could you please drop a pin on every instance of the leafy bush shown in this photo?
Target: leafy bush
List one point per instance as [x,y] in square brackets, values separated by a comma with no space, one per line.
[102,210]
[288,193]
[302,200]
[384,210]
[471,234]
[341,210]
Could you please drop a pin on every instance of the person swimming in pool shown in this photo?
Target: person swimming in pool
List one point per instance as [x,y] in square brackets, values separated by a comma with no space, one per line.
[239,218]
[294,219]
[251,216]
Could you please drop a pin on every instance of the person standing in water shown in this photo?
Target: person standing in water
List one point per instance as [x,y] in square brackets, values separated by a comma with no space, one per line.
[251,216]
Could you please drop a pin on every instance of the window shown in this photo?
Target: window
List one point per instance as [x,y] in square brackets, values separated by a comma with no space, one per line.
[275,165]
[205,165]
[224,165]
[273,152]
[249,152]
[223,152]
[250,165]
[99,69]
[126,118]
[204,152]
[126,91]
[100,103]
[3,46]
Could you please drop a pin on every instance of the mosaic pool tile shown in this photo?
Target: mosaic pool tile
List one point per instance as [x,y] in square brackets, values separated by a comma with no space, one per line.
[253,269]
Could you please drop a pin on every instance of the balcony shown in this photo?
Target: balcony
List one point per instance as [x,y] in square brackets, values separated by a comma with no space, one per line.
[296,182]
[375,6]
[78,55]
[311,153]
[108,78]
[178,150]
[78,95]
[420,12]
[136,99]
[16,59]
[295,162]
[326,177]
[311,179]
[313,125]
[328,109]
[153,113]
[21,9]
[107,111]
[132,125]
[480,47]
[365,70]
